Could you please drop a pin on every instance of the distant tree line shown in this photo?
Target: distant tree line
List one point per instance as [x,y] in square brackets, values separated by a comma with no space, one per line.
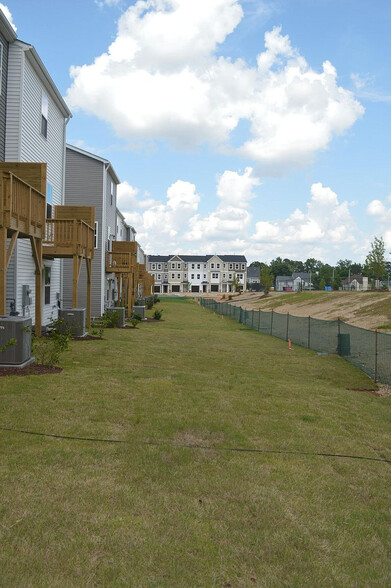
[323,274]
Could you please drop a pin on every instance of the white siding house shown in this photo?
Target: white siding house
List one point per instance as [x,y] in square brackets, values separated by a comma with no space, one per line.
[36,120]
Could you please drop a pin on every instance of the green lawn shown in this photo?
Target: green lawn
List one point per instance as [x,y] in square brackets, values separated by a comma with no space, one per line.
[171,506]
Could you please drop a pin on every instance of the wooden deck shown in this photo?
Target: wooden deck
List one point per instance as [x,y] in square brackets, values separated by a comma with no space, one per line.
[71,235]
[68,237]
[119,262]
[22,207]
[22,215]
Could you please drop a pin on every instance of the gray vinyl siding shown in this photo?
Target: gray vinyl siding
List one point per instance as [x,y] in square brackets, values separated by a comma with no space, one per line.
[24,142]
[84,181]
[3,95]
[14,103]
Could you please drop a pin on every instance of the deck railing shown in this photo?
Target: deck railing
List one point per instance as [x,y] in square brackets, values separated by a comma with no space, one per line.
[120,262]
[22,207]
[71,235]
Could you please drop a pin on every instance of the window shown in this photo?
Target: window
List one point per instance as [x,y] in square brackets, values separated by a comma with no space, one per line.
[49,201]
[166,277]
[173,276]
[230,277]
[44,115]
[48,276]
[204,276]
[185,265]
[173,266]
[198,266]
[111,192]
[179,276]
[198,276]
[204,265]
[192,266]
[178,266]
[192,276]
[212,265]
[158,276]
[185,276]
[236,266]
[159,266]
[243,266]
[96,235]
[230,266]
[215,276]
[224,276]
[108,239]
[217,266]
[153,266]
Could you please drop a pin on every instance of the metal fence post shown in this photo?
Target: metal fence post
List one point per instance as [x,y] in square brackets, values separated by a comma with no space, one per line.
[259,320]
[287,326]
[309,331]
[271,323]
[375,355]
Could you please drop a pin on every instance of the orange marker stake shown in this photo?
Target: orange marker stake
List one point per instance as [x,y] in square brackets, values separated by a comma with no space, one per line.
[289,345]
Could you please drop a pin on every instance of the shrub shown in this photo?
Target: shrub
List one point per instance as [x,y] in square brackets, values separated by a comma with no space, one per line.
[47,350]
[137,316]
[97,333]
[111,318]
[158,314]
[230,297]
[134,322]
[156,299]
[149,303]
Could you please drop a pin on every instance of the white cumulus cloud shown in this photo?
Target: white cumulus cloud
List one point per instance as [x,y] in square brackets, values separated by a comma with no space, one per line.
[162,78]
[325,225]
[381,211]
[7,13]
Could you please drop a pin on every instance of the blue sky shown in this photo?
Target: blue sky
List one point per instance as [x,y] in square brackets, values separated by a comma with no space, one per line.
[235,126]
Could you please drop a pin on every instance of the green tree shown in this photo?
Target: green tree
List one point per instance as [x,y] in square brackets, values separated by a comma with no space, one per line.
[267,278]
[235,285]
[375,262]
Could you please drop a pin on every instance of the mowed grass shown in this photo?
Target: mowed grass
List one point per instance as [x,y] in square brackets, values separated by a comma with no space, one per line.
[172,507]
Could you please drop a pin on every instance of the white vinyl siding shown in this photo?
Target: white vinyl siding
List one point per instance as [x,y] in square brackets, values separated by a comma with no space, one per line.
[24,142]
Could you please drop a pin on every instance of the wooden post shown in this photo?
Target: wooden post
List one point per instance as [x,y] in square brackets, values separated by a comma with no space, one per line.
[129,301]
[75,280]
[3,269]
[36,247]
[88,309]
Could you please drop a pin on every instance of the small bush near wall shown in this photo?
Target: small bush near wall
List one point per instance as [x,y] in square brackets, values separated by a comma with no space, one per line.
[111,318]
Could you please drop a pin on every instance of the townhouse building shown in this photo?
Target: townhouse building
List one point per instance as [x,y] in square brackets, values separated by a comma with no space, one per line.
[197,273]
[91,180]
[35,129]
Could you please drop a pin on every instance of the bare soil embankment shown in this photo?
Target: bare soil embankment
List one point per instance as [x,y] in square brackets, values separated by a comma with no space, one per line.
[369,310]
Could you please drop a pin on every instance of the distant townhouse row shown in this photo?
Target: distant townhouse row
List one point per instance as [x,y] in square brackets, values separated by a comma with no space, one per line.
[197,273]
[63,243]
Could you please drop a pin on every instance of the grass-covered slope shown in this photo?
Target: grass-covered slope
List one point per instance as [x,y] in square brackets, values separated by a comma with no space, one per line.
[158,510]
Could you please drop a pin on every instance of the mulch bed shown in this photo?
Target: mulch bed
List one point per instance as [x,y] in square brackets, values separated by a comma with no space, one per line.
[30,370]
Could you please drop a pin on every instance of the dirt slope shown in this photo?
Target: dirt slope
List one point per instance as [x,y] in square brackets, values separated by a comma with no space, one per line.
[370,310]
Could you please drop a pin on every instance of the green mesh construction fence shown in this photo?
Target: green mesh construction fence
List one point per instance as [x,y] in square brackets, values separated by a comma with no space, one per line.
[368,350]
